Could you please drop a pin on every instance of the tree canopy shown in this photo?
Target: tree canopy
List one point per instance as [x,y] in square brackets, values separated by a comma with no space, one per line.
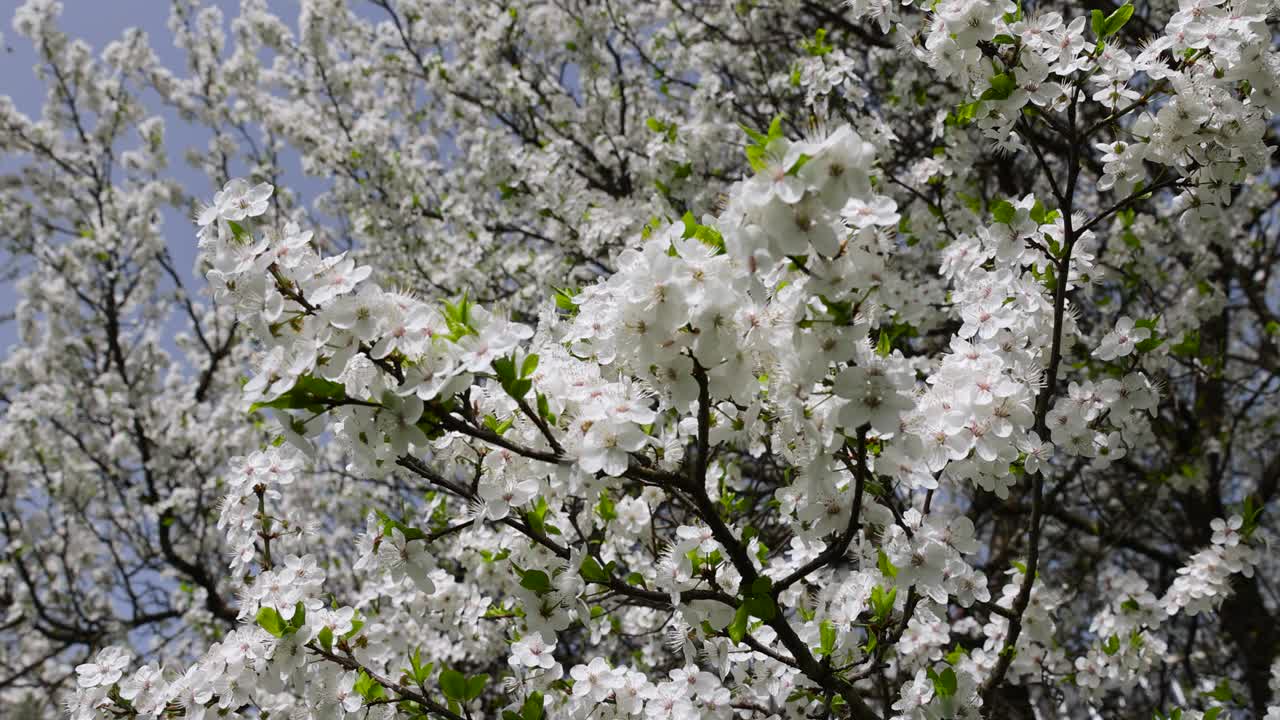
[763,359]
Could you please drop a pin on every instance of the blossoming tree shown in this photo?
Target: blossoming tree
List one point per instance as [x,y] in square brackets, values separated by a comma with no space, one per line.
[945,390]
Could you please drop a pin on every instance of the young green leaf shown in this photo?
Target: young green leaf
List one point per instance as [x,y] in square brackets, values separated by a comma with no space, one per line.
[453,684]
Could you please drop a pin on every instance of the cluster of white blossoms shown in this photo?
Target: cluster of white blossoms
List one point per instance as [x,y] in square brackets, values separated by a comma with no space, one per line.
[1053,50]
[1205,579]
[1126,643]
[95,679]
[252,482]
[392,353]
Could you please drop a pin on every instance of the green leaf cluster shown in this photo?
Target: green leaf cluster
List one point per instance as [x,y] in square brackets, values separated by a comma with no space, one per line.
[308,393]
[1041,215]
[564,300]
[325,636]
[1106,26]
[826,638]
[944,683]
[591,571]
[882,604]
[515,375]
[666,129]
[818,46]
[1153,342]
[1003,211]
[705,234]
[417,671]
[459,688]
[758,147]
[369,688]
[457,316]
[269,619]
[1002,86]
[757,602]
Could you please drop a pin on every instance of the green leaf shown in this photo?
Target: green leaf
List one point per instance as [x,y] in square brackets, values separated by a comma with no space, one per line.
[605,508]
[592,572]
[537,516]
[964,113]
[1117,20]
[475,686]
[536,580]
[308,393]
[453,684]
[532,708]
[872,641]
[882,603]
[1221,693]
[505,369]
[1098,23]
[325,636]
[1112,645]
[775,128]
[389,524]
[1250,512]
[826,638]
[947,679]
[238,232]
[756,137]
[738,628]
[761,585]
[944,683]
[419,672]
[529,365]
[564,300]
[1189,346]
[818,46]
[705,234]
[271,621]
[458,317]
[544,409]
[368,688]
[1003,211]
[1136,639]
[1002,87]
[884,344]
[1038,213]
[886,567]
[761,606]
[299,617]
[760,142]
[799,163]
[1149,344]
